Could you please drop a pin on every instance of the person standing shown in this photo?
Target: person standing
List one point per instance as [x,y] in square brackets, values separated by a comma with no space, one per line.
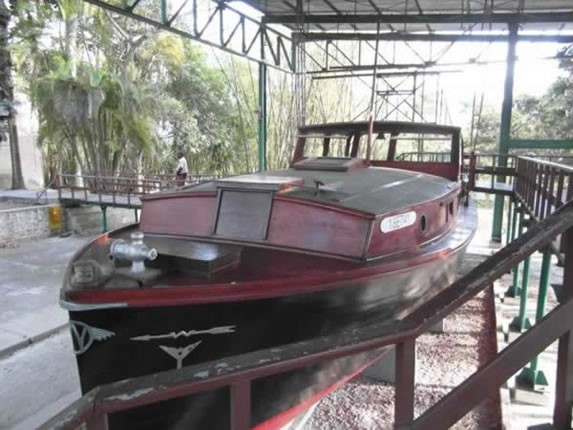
[181,171]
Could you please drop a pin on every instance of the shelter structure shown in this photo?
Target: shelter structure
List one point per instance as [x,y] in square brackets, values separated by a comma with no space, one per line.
[336,39]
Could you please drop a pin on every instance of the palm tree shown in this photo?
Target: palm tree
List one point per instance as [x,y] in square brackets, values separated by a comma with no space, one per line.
[106,121]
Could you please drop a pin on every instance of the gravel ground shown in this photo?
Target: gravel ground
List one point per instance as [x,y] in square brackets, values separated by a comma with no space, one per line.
[443,362]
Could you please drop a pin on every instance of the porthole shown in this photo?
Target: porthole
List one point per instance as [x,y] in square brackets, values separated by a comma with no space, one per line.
[451,206]
[423,223]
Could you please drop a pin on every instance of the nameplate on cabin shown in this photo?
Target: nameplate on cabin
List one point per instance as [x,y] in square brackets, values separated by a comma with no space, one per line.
[397,222]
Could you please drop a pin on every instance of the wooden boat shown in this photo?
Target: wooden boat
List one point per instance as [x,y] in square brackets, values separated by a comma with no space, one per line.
[366,224]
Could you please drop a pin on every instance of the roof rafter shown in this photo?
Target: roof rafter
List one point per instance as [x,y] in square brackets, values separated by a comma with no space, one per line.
[435,37]
[428,18]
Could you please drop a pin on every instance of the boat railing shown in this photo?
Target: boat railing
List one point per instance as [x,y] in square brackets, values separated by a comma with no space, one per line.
[238,372]
[425,157]
[490,172]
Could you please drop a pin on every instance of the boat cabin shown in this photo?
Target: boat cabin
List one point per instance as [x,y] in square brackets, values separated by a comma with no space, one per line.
[354,190]
[426,148]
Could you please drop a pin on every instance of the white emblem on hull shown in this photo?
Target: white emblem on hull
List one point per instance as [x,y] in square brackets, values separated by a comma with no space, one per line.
[179,354]
[183,333]
[84,336]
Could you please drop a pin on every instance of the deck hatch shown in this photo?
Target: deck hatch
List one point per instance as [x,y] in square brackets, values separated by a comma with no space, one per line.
[335,164]
[243,214]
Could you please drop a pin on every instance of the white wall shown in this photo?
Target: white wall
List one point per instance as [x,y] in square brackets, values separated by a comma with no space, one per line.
[30,154]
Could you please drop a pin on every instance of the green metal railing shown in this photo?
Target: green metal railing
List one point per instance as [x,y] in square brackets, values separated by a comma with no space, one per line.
[541,187]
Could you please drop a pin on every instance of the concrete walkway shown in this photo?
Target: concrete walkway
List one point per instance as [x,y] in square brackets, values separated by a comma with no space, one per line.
[30,279]
[50,196]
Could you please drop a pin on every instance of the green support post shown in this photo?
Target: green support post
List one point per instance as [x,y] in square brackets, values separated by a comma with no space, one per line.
[508,237]
[104,219]
[521,323]
[514,290]
[262,117]
[505,127]
[164,19]
[532,376]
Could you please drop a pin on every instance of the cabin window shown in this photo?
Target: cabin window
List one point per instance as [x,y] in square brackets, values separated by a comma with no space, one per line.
[328,146]
[423,148]
[243,214]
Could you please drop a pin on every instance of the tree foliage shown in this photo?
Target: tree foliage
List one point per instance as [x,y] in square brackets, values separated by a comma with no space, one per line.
[547,117]
[116,96]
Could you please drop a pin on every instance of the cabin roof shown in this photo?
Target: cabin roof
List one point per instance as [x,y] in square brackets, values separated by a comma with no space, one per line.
[378,127]
[372,190]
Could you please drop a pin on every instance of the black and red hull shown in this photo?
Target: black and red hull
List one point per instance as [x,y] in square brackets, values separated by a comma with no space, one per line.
[140,340]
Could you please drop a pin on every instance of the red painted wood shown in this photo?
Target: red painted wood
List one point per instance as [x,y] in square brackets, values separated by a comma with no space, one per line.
[405,382]
[412,236]
[318,229]
[562,413]
[445,170]
[241,405]
[276,276]
[189,214]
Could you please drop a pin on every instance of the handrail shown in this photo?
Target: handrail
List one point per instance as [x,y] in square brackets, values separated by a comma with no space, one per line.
[44,191]
[115,187]
[239,371]
[547,163]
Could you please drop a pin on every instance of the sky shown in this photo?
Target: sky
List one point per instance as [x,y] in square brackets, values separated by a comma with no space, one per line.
[533,76]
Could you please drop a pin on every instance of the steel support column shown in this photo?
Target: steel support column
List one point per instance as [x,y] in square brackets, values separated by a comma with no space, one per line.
[104,219]
[531,376]
[508,236]
[262,131]
[521,323]
[516,231]
[505,128]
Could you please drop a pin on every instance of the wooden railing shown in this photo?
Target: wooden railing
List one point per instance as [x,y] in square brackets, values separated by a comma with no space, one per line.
[477,166]
[543,186]
[118,191]
[425,157]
